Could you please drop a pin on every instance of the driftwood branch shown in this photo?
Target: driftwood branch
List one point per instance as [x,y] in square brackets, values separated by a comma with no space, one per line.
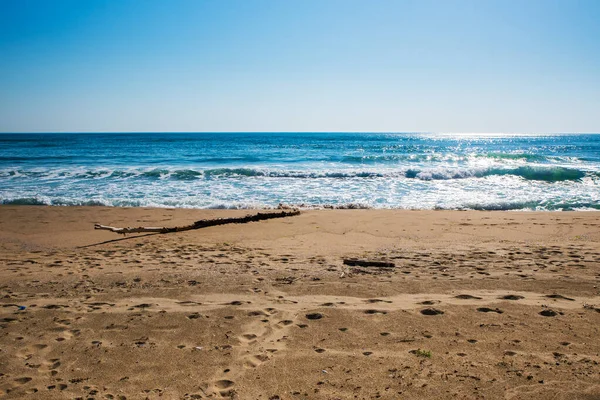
[203,223]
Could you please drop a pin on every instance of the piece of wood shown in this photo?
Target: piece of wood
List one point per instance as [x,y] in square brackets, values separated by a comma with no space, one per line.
[365,263]
[203,223]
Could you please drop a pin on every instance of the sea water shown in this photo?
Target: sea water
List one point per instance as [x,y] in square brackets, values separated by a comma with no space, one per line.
[311,170]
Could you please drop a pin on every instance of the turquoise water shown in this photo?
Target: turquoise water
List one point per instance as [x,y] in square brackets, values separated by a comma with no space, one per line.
[261,170]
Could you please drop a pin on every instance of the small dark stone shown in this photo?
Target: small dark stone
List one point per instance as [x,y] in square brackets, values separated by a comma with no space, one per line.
[314,316]
[548,313]
[431,311]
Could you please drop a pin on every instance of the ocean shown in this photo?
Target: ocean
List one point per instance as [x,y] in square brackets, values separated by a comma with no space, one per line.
[551,172]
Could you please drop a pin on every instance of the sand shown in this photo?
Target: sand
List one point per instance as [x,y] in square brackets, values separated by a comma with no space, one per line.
[478,305]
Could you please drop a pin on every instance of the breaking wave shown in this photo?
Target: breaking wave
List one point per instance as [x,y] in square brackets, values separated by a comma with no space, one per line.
[547,174]
[533,173]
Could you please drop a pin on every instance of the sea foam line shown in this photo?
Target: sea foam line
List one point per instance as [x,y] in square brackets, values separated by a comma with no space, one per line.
[535,173]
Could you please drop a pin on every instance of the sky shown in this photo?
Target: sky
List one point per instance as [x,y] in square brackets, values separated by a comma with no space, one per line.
[300,65]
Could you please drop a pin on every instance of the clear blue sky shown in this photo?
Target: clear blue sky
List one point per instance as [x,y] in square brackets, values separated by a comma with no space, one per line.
[306,65]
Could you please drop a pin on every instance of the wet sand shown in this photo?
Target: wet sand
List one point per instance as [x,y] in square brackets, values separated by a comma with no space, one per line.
[478,305]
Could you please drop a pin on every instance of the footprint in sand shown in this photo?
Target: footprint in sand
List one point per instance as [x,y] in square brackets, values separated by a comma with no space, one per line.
[67,334]
[559,297]
[33,350]
[256,360]
[99,305]
[188,303]
[64,322]
[467,297]
[248,338]
[511,297]
[224,387]
[55,306]
[431,311]
[54,363]
[373,301]
[60,386]
[8,320]
[373,312]
[488,310]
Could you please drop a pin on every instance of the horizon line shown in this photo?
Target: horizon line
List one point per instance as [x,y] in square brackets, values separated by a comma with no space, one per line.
[306,131]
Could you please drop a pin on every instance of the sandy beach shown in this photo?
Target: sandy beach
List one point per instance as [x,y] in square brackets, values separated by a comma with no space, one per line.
[478,305]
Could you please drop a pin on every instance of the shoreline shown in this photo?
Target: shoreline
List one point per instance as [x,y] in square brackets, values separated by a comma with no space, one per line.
[494,304]
[302,207]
